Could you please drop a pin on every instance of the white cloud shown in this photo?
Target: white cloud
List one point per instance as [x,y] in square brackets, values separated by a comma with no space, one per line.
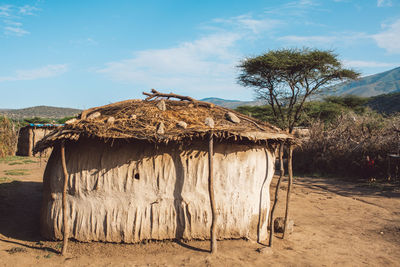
[5,11]
[324,40]
[206,64]
[307,3]
[38,73]
[84,42]
[368,64]
[389,39]
[294,9]
[248,23]
[308,39]
[12,27]
[382,3]
[17,31]
[12,23]
[27,10]
[13,15]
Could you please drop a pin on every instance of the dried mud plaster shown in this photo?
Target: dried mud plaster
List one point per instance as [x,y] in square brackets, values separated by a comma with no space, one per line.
[135,192]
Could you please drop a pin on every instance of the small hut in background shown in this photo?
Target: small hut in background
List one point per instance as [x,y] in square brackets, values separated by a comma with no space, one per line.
[139,170]
[29,135]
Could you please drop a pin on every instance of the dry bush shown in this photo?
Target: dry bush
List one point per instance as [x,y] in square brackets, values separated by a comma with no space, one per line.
[341,147]
[8,137]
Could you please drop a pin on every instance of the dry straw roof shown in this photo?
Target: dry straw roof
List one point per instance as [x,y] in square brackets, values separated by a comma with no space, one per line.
[161,120]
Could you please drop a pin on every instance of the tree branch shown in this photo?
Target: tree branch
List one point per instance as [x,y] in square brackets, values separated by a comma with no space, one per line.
[155,93]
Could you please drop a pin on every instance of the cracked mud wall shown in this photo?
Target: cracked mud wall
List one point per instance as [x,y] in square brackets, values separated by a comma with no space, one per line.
[131,192]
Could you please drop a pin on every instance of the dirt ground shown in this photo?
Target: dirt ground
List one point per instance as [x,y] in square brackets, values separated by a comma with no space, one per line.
[336,223]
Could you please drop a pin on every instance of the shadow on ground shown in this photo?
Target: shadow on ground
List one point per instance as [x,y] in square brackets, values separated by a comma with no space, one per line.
[351,189]
[20,210]
[20,204]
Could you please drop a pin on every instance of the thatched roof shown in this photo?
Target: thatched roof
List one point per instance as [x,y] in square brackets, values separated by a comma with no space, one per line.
[161,121]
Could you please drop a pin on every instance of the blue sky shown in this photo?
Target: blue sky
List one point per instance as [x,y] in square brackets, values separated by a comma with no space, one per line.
[88,53]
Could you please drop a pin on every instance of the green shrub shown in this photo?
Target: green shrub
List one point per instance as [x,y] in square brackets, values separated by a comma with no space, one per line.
[326,110]
[36,120]
[63,120]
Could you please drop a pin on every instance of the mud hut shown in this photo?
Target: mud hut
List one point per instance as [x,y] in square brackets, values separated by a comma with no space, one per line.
[29,135]
[139,170]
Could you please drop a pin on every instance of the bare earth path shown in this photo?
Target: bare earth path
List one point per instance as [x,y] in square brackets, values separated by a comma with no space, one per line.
[336,223]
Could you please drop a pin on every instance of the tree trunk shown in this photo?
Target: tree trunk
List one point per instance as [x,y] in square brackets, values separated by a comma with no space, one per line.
[64,200]
[290,180]
[213,248]
[278,185]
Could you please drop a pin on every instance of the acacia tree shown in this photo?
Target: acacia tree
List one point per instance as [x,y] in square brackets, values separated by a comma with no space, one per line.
[286,78]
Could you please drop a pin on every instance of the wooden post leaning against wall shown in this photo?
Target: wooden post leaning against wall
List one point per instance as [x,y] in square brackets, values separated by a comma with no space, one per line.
[290,181]
[388,171]
[64,200]
[278,185]
[213,245]
[30,145]
[33,141]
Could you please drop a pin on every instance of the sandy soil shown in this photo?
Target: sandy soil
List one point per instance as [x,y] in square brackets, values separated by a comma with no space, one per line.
[336,223]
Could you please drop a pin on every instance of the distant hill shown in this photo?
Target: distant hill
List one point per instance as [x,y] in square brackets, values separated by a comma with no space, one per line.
[373,85]
[386,103]
[40,111]
[226,103]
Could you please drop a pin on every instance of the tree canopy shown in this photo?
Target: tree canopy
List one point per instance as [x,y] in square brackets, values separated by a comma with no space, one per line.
[286,78]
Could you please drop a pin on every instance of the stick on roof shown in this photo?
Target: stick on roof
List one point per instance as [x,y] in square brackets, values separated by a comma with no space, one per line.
[181,119]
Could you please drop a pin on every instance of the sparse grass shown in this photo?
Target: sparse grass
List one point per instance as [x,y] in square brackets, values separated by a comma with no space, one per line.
[29,161]
[16,250]
[16,172]
[48,256]
[15,163]
[9,159]
[5,179]
[16,160]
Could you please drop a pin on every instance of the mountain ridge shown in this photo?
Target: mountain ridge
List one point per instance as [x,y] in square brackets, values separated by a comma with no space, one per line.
[371,85]
[228,103]
[40,111]
[384,83]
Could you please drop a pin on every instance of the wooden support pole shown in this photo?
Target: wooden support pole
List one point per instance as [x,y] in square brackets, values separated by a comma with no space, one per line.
[290,181]
[64,201]
[213,245]
[278,185]
[30,145]
[389,175]
[33,141]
